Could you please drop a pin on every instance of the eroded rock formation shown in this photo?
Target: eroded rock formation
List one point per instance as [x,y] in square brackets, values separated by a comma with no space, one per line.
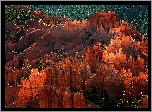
[57,63]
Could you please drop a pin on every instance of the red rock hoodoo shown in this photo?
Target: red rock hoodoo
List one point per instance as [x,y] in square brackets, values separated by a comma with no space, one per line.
[57,62]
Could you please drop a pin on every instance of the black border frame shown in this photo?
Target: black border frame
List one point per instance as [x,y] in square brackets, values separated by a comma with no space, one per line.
[3,3]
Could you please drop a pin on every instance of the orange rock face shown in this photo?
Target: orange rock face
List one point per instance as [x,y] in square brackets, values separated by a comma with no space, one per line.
[101,19]
[67,100]
[76,55]
[79,101]
[144,103]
